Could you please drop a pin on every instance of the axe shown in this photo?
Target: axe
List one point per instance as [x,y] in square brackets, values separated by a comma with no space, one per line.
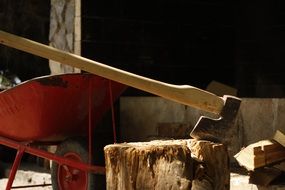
[206,128]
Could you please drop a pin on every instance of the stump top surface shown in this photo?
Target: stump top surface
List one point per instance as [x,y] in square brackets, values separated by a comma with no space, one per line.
[152,143]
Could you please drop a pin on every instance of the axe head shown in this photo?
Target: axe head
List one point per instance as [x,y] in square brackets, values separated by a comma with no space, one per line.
[216,130]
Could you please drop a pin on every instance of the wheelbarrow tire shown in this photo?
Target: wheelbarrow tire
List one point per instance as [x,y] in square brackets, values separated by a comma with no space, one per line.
[76,149]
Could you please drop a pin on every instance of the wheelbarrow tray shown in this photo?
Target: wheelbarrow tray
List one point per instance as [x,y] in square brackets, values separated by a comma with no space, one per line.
[54,107]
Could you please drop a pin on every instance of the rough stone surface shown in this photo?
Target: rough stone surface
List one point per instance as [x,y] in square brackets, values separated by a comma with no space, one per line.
[260,118]
[142,118]
[62,30]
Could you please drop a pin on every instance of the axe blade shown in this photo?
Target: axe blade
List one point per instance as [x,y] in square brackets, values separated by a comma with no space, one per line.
[216,129]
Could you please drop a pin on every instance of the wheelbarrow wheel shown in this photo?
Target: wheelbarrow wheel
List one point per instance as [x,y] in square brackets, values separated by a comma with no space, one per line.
[67,178]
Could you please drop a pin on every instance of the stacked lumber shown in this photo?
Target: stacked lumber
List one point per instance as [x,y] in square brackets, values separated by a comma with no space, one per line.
[260,154]
[264,160]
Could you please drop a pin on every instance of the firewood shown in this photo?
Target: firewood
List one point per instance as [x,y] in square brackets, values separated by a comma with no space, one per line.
[264,176]
[215,159]
[279,136]
[260,154]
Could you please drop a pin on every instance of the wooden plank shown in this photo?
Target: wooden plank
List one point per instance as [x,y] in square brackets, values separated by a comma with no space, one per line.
[279,136]
[259,154]
[221,89]
[264,176]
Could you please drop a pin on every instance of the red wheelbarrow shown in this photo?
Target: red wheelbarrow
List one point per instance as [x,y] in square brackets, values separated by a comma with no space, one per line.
[184,94]
[58,109]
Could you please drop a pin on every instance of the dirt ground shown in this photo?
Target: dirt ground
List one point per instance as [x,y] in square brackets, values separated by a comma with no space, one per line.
[238,182]
[28,174]
[30,177]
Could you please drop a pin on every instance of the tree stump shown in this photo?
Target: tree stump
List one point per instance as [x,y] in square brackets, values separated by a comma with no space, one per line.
[212,171]
[167,164]
[154,165]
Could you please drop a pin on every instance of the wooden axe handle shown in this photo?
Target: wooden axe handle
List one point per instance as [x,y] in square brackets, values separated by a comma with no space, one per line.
[183,94]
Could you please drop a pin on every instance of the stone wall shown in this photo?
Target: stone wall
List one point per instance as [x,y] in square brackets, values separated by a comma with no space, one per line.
[62,31]
[146,118]
[143,118]
[260,118]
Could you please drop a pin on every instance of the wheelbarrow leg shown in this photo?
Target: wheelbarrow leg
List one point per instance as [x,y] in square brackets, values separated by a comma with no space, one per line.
[14,168]
[90,124]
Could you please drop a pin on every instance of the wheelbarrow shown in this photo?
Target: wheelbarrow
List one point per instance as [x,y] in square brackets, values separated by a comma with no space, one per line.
[224,110]
[58,109]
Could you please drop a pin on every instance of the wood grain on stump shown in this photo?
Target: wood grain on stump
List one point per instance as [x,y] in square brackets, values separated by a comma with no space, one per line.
[155,165]
[215,174]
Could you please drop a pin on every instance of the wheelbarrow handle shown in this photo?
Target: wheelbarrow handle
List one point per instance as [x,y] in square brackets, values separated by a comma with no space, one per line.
[184,94]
